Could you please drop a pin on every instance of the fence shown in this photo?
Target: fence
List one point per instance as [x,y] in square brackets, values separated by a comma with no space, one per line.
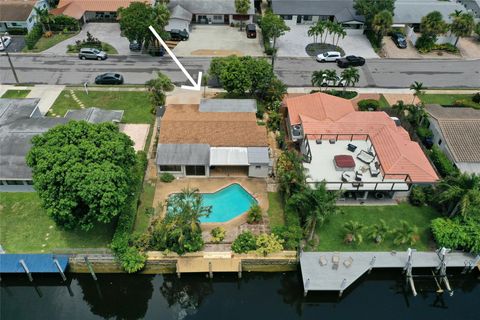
[413,37]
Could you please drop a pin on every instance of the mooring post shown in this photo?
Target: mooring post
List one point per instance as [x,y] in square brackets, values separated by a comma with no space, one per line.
[210,272]
[442,268]
[60,269]
[90,268]
[372,262]
[342,287]
[474,263]
[178,270]
[240,269]
[305,287]
[408,269]
[24,265]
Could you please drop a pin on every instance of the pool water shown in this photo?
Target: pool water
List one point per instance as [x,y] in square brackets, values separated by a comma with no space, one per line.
[227,203]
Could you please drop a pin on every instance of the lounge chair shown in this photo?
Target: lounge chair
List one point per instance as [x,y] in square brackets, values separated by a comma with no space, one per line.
[335,261]
[374,169]
[348,262]
[365,157]
[322,261]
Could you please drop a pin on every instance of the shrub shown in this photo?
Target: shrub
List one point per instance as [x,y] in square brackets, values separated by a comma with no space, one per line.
[425,43]
[245,242]
[368,105]
[64,23]
[291,235]
[448,47]
[282,144]
[17,31]
[424,133]
[254,215]
[342,94]
[33,36]
[274,119]
[417,196]
[218,234]
[268,243]
[167,177]
[457,233]
[476,97]
[444,166]
[466,103]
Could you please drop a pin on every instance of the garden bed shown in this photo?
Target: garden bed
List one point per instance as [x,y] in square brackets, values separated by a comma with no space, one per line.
[15,94]
[108,48]
[46,43]
[314,49]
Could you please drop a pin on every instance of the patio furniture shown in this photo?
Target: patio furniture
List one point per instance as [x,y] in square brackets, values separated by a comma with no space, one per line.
[318,141]
[348,262]
[322,261]
[351,147]
[335,261]
[374,169]
[358,176]
[365,157]
[344,162]
[348,176]
[332,141]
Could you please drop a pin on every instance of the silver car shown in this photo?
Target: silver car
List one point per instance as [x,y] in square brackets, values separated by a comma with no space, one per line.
[92,53]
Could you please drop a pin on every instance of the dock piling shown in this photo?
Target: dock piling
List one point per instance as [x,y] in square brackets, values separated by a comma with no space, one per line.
[24,265]
[240,269]
[60,269]
[210,272]
[90,268]
[178,270]
[342,287]
[305,287]
[372,263]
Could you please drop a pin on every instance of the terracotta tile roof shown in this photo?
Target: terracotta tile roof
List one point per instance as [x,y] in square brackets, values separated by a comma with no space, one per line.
[184,124]
[398,155]
[313,105]
[77,8]
[16,10]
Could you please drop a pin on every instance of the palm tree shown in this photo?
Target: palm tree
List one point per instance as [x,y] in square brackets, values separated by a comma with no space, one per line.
[462,25]
[353,232]
[313,32]
[331,76]
[381,23]
[341,34]
[44,17]
[378,231]
[242,7]
[459,193]
[351,76]
[405,234]
[318,78]
[432,24]
[417,88]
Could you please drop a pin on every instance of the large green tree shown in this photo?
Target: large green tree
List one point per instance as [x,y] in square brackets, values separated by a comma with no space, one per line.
[369,8]
[82,172]
[273,27]
[242,7]
[157,88]
[459,194]
[433,24]
[462,25]
[382,22]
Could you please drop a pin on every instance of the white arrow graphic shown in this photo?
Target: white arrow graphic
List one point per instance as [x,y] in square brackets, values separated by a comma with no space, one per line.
[195,86]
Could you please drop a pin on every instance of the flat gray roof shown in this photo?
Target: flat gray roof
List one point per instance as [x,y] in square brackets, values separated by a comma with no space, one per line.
[342,9]
[209,6]
[13,109]
[412,11]
[183,154]
[258,155]
[228,105]
[95,115]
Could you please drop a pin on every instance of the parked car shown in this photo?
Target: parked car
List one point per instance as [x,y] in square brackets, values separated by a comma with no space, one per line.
[330,56]
[399,40]
[179,35]
[350,61]
[109,78]
[5,42]
[337,82]
[135,46]
[92,53]
[251,30]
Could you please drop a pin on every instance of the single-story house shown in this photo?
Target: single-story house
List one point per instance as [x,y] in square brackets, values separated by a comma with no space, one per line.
[311,11]
[20,120]
[184,12]
[473,6]
[93,10]
[19,14]
[457,132]
[364,154]
[218,137]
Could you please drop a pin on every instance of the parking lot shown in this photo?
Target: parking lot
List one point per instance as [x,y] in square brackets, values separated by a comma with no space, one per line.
[293,43]
[219,40]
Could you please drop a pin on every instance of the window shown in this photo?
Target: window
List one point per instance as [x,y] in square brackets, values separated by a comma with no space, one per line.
[217,17]
[195,170]
[30,182]
[258,167]
[171,168]
[30,19]
[440,142]
[287,17]
[14,24]
[307,18]
[14,182]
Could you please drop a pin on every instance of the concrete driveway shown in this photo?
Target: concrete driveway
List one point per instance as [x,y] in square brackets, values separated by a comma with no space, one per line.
[293,44]
[105,32]
[212,40]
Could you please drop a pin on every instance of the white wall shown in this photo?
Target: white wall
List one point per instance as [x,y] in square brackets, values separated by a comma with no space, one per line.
[261,172]
[413,37]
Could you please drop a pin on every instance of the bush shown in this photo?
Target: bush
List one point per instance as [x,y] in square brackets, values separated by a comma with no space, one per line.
[274,120]
[444,166]
[342,94]
[282,144]
[167,177]
[457,233]
[291,235]
[254,215]
[218,234]
[466,103]
[17,31]
[374,40]
[424,133]
[476,97]
[425,43]
[417,196]
[368,105]
[245,242]
[448,47]
[64,23]
[268,243]
[33,36]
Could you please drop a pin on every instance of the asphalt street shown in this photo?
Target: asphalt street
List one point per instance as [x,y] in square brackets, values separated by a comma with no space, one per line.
[295,72]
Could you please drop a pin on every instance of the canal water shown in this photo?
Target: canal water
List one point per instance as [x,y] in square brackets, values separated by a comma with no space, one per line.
[380,295]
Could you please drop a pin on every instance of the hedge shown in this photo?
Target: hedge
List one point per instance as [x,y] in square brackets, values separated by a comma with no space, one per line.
[368,105]
[457,233]
[444,166]
[33,36]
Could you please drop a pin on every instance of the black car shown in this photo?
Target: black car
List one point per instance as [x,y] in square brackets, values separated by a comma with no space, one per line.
[251,30]
[109,78]
[350,61]
[399,40]
[179,35]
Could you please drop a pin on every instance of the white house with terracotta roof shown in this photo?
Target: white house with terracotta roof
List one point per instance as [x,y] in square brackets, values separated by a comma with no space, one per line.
[457,132]
[362,153]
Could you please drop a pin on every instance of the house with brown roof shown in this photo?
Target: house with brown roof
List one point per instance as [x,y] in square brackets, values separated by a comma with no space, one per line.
[93,10]
[363,154]
[457,132]
[19,14]
[218,137]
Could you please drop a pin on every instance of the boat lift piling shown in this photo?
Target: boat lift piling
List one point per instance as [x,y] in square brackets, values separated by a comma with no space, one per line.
[342,287]
[442,268]
[372,263]
[57,264]
[90,268]
[408,270]
[24,265]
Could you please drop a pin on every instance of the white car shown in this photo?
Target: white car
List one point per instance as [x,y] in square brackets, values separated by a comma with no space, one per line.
[330,56]
[5,42]
[338,82]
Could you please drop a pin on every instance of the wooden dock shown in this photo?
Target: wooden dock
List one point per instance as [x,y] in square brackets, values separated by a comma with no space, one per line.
[338,276]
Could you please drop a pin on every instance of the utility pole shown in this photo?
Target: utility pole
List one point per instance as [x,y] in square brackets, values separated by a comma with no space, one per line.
[9,61]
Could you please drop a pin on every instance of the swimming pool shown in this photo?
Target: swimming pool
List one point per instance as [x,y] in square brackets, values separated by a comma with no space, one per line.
[227,203]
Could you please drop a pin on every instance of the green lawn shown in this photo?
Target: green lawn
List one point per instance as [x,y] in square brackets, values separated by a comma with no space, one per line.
[46,43]
[275,209]
[146,200]
[383,102]
[15,94]
[26,227]
[136,104]
[443,99]
[331,234]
